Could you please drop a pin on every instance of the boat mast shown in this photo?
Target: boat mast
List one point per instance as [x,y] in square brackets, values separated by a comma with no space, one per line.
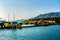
[8,16]
[14,16]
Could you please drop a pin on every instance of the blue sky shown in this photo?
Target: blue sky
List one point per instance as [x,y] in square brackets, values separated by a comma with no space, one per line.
[27,8]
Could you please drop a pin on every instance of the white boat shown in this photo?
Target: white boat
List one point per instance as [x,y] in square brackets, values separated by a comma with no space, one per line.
[28,25]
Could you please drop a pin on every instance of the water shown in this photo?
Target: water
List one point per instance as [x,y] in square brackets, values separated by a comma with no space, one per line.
[31,33]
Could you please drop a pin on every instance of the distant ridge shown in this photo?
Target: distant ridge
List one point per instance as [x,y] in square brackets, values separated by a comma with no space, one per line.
[49,15]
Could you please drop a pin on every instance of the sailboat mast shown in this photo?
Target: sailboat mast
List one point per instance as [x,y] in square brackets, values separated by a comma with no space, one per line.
[14,16]
[8,17]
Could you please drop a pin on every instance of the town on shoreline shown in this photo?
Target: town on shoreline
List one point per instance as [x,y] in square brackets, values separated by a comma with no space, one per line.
[31,22]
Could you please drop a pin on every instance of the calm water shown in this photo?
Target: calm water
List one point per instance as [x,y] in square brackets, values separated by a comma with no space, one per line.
[31,33]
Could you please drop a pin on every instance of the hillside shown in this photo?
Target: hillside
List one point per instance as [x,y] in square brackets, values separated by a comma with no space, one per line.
[49,15]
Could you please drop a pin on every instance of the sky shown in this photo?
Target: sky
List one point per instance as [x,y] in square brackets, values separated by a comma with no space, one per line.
[24,9]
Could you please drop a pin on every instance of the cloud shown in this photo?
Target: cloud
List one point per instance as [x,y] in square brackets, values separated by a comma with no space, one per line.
[37,10]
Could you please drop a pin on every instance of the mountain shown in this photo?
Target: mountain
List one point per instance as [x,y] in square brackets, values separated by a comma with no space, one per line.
[49,15]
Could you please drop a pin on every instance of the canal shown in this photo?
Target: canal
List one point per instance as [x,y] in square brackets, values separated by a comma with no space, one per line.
[31,33]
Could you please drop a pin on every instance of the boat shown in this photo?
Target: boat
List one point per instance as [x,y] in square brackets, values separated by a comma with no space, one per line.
[27,25]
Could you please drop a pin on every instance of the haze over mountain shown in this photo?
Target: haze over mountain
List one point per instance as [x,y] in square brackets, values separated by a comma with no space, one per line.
[49,15]
[46,15]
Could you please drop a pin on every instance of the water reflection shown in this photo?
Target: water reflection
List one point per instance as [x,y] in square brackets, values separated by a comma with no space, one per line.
[34,33]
